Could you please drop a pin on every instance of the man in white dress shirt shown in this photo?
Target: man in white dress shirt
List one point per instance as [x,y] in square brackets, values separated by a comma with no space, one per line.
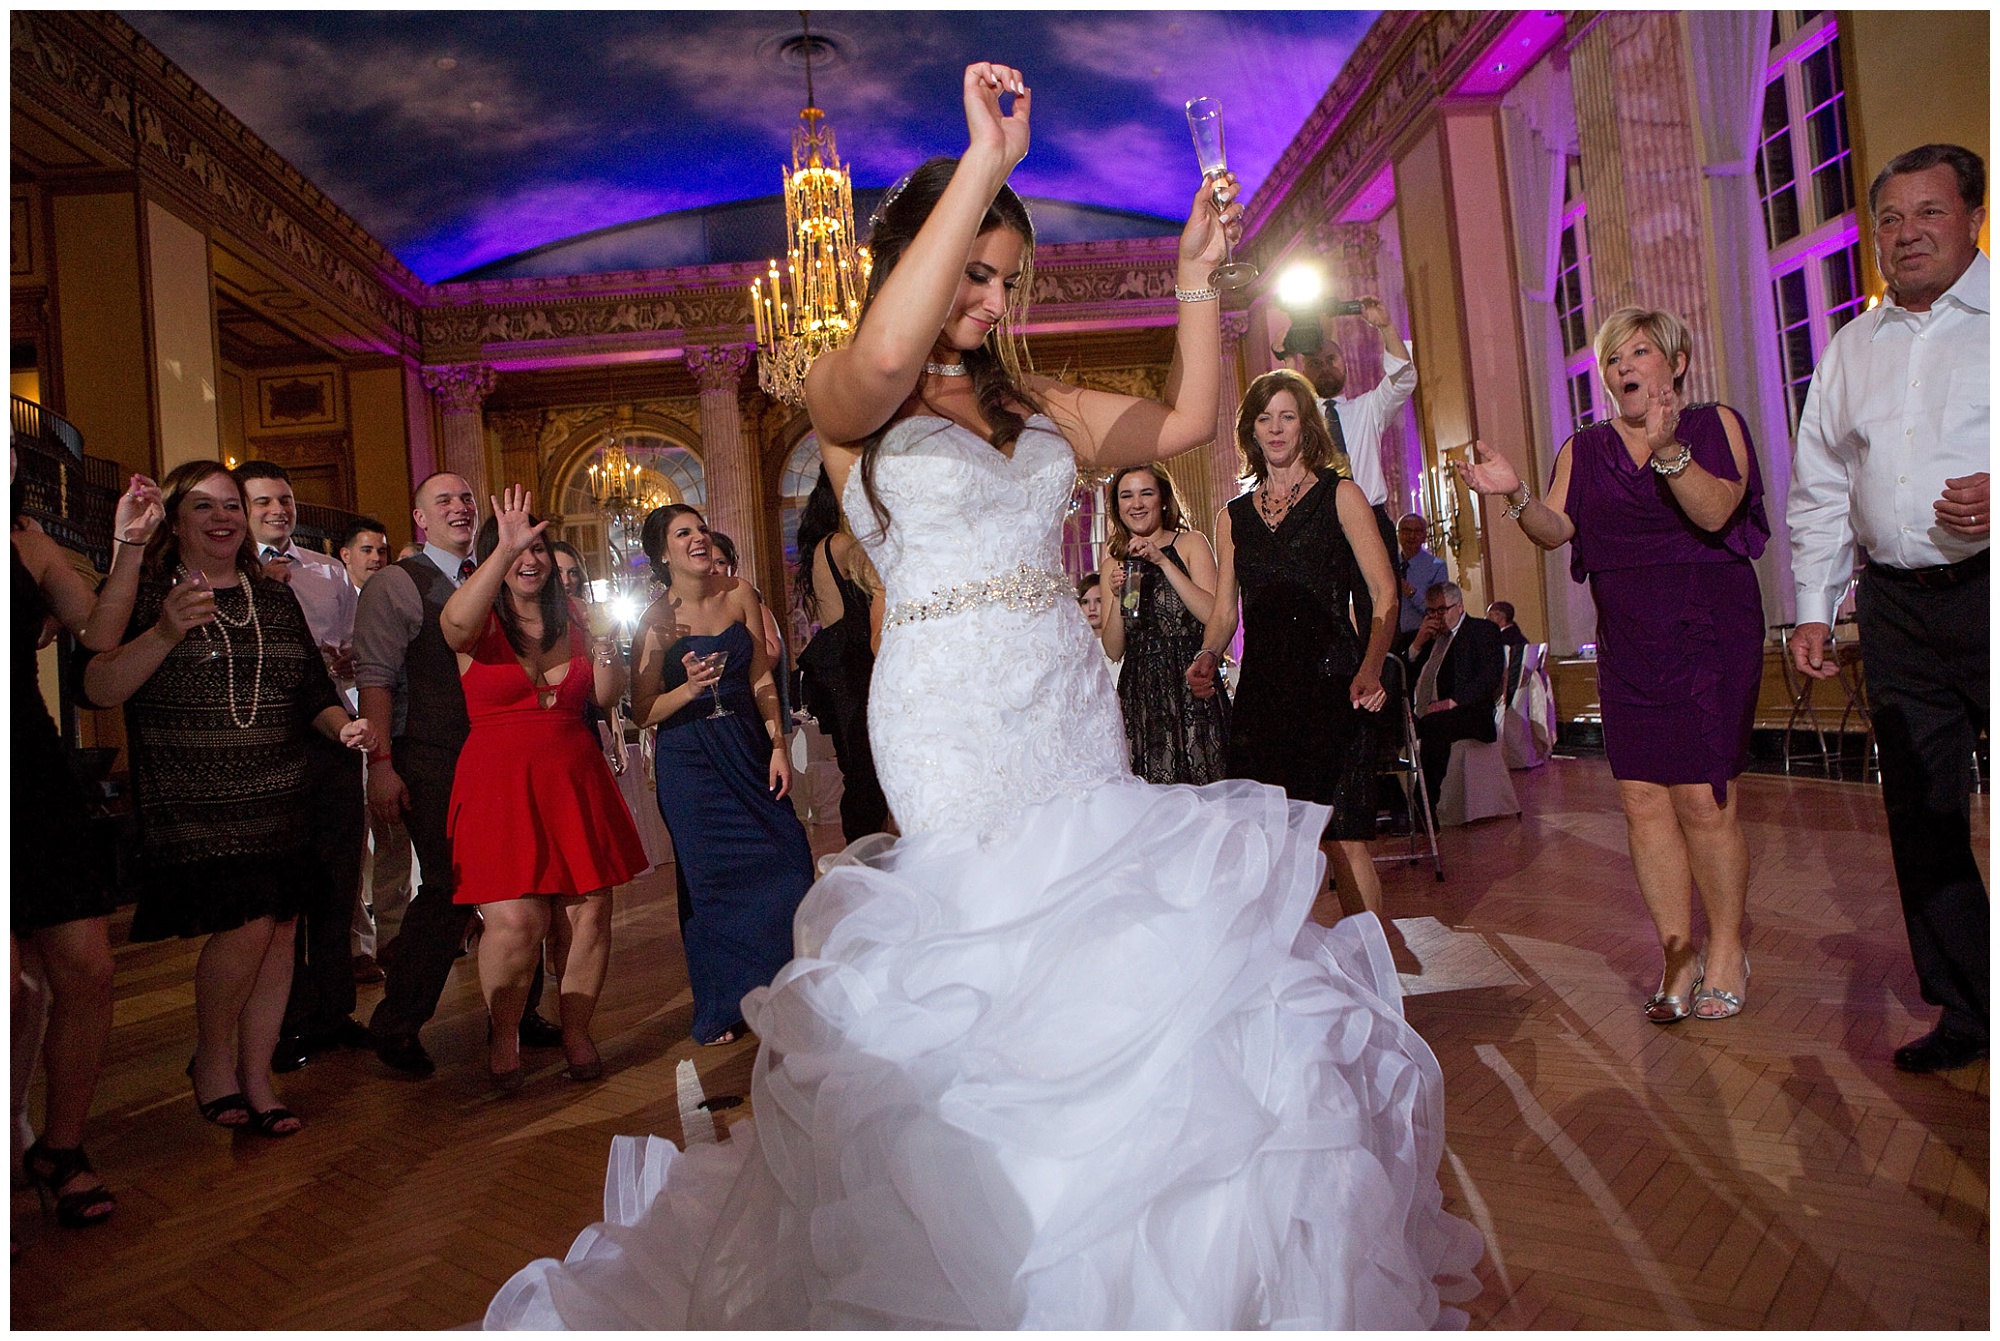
[320,1012]
[1892,456]
[1357,422]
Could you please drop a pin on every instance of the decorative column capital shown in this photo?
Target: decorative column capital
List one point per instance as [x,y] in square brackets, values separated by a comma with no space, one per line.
[461,386]
[719,367]
[1235,325]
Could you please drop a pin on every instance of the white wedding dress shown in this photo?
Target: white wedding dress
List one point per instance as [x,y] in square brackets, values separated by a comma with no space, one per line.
[1069,1053]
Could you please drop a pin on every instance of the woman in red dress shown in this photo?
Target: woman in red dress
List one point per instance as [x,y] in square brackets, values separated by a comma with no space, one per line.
[539,832]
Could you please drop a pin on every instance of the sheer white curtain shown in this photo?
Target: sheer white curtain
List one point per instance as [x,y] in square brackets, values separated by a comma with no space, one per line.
[1538,121]
[1729,52]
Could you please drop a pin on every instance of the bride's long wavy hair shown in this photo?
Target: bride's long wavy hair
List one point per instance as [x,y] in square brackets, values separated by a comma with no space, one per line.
[997,366]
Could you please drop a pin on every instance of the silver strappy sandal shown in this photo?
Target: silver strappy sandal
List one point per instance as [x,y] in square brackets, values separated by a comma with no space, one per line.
[1664,1007]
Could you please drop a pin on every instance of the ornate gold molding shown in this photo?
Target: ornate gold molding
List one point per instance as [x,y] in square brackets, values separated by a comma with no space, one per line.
[1404,64]
[461,387]
[123,95]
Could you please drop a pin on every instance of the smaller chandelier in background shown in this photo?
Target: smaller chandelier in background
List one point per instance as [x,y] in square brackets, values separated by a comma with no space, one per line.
[817,304]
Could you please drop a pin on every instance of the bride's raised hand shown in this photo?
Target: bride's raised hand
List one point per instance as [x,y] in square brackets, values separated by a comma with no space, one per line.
[1488,472]
[1004,133]
[1202,239]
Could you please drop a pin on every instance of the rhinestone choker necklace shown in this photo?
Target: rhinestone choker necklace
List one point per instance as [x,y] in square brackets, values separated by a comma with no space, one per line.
[946,369]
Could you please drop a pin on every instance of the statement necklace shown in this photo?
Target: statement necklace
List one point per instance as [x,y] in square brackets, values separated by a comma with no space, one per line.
[946,369]
[1273,514]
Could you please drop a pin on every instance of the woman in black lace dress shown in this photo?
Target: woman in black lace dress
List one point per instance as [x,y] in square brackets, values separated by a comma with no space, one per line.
[221,681]
[1304,550]
[1159,580]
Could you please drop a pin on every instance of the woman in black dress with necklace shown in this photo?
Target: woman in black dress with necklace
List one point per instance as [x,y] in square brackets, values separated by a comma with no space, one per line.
[1304,550]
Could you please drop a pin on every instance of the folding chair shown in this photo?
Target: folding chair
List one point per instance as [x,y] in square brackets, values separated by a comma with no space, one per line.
[1405,767]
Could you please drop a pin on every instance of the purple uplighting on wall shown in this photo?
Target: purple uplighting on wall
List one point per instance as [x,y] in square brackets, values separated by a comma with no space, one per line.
[1378,195]
[1512,54]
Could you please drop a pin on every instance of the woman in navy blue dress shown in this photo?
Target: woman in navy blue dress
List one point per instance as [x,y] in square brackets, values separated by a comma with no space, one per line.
[700,675]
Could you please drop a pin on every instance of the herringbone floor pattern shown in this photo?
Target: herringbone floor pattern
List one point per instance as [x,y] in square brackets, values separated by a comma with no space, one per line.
[1769,1171]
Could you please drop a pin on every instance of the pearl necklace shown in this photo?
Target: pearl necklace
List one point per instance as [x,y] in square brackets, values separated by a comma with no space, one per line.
[249,621]
[947,369]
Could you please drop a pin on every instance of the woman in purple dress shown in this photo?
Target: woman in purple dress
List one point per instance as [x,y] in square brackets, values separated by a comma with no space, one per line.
[1663,509]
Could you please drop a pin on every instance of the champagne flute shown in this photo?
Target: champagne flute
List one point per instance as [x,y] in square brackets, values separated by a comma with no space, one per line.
[720,661]
[1204,116]
[198,581]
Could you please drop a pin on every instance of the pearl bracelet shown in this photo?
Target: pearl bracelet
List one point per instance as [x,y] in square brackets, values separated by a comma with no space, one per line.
[1514,510]
[1677,465]
[1195,295]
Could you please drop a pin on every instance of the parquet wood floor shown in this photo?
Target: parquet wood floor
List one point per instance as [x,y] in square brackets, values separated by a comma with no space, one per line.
[1773,1171]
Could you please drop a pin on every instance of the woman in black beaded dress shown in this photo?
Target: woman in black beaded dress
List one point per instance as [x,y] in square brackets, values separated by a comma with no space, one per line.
[1160,577]
[221,681]
[1304,550]
[59,903]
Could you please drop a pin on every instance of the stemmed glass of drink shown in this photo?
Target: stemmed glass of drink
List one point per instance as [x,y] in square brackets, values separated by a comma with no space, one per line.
[719,660]
[1204,117]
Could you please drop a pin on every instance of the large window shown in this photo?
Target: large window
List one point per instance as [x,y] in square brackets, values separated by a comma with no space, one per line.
[1805,181]
[1573,304]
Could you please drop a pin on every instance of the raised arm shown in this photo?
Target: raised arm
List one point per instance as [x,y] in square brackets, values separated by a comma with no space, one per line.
[464,616]
[114,676]
[97,618]
[1542,520]
[764,689]
[1108,430]
[1708,500]
[852,391]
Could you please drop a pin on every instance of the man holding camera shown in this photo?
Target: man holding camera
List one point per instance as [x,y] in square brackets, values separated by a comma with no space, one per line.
[1357,422]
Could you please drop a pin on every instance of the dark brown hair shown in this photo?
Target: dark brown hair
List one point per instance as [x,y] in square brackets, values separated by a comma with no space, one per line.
[996,366]
[163,551]
[1170,507]
[653,537]
[552,598]
[1316,448]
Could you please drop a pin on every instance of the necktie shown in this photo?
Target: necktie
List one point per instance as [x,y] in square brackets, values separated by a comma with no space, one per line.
[465,569]
[271,553]
[1427,681]
[1333,426]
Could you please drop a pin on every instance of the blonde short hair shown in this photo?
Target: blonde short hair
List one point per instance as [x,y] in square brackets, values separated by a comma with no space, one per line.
[1668,333]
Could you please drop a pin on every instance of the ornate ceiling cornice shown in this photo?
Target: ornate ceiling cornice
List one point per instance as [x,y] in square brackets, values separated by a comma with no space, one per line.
[1405,64]
[135,107]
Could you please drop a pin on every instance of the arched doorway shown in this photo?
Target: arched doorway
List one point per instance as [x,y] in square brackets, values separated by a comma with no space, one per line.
[668,473]
[795,483]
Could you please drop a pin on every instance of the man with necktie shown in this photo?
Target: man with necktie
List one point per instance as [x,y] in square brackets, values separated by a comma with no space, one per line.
[1458,664]
[320,1011]
[1358,422]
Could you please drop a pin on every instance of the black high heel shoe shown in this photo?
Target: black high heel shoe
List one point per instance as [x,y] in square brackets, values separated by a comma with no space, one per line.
[50,1171]
[214,1110]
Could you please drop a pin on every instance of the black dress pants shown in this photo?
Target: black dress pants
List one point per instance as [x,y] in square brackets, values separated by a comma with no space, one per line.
[322,960]
[1438,731]
[1926,655]
[433,926]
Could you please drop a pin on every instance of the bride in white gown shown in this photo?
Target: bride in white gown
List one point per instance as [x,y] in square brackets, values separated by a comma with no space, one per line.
[1070,1052]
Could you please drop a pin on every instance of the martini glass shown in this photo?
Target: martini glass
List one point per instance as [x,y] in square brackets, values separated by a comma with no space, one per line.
[720,660]
[1204,117]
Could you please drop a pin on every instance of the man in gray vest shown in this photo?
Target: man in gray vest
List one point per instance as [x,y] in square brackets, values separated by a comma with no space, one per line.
[408,674]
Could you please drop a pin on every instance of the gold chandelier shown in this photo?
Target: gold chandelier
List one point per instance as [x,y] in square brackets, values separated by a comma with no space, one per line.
[618,487]
[818,305]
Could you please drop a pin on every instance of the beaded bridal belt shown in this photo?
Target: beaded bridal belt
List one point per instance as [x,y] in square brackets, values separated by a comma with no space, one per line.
[1026,588]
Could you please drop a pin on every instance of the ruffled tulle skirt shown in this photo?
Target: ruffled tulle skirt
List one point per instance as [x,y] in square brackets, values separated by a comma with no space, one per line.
[1102,1074]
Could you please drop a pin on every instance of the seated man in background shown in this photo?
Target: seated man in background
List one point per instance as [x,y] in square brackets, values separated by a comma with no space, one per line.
[1457,664]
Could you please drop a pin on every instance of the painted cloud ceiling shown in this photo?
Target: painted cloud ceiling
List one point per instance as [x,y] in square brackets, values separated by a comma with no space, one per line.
[460,137]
